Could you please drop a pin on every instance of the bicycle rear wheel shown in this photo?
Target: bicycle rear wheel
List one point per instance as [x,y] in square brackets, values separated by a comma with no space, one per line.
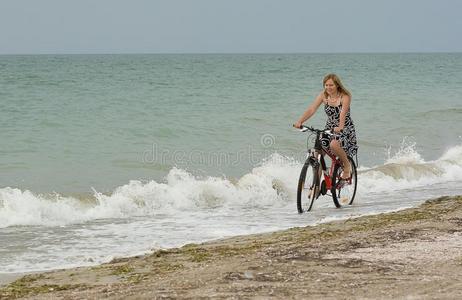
[344,191]
[307,188]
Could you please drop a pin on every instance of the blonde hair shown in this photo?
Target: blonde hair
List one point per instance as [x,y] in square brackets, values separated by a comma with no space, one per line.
[338,84]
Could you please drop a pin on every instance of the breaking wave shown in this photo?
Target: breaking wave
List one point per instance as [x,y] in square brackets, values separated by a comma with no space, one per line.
[271,184]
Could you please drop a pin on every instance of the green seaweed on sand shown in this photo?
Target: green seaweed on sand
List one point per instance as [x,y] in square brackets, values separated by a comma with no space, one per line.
[26,286]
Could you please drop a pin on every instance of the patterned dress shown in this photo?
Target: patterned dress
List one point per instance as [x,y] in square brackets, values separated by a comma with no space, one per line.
[347,137]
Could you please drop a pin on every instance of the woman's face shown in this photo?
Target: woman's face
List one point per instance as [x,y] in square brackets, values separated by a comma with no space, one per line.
[330,87]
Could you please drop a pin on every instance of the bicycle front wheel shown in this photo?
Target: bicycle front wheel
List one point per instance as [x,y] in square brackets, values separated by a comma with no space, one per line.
[307,188]
[344,191]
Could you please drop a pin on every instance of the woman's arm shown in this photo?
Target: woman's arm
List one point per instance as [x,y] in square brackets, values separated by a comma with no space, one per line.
[345,108]
[310,110]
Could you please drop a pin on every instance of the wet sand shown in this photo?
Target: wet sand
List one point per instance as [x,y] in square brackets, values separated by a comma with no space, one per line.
[413,254]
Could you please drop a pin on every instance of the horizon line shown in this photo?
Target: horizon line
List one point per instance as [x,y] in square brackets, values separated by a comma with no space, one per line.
[230,53]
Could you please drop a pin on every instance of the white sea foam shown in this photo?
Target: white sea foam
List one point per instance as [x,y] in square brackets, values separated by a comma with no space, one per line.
[407,170]
[406,154]
[271,184]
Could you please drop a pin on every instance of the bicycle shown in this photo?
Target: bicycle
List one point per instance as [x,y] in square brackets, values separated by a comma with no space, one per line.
[321,179]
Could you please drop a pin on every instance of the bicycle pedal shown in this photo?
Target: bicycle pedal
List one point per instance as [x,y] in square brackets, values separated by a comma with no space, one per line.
[341,183]
[323,188]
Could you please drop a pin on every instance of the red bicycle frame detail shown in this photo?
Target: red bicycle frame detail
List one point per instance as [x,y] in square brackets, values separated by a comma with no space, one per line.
[328,176]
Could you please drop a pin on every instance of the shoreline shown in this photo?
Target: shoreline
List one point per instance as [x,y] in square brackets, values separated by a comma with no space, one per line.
[415,252]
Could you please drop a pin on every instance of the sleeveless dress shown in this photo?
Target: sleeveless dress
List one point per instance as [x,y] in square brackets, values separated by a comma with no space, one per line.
[347,137]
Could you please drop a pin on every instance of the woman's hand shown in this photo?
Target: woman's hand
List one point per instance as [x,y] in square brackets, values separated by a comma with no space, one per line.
[298,124]
[338,129]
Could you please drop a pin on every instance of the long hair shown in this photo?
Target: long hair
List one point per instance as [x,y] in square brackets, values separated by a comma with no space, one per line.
[338,84]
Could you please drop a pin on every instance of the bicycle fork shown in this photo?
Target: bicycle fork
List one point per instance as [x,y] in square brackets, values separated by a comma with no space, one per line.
[324,179]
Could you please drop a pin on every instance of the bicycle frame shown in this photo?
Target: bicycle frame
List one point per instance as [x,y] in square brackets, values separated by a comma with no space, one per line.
[318,158]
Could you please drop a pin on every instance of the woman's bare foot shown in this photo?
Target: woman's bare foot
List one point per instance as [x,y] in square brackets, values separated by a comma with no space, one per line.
[346,174]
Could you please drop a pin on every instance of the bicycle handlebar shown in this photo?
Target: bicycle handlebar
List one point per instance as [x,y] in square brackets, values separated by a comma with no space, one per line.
[304,128]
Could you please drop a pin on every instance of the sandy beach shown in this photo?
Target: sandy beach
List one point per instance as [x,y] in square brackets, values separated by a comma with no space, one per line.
[413,254]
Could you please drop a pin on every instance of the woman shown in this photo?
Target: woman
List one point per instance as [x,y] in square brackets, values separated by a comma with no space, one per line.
[336,99]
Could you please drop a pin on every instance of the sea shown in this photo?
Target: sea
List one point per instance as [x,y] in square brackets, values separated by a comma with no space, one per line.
[105,156]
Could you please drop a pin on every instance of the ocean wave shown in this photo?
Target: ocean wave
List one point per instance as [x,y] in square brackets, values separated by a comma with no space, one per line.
[269,185]
[406,169]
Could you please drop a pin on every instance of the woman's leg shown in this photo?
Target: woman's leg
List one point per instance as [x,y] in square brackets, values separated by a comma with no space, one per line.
[338,151]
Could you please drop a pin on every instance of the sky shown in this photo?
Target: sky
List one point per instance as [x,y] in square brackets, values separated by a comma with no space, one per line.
[229,26]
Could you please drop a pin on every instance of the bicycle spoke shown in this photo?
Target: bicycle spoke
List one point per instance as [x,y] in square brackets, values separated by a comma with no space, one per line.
[343,191]
[306,189]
